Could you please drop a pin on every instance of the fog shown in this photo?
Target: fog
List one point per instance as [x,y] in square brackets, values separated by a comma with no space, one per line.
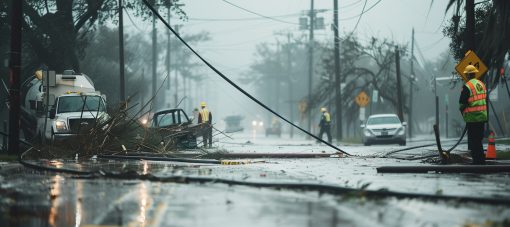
[235,33]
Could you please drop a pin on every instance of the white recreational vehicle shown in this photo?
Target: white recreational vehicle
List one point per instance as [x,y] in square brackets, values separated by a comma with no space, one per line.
[59,106]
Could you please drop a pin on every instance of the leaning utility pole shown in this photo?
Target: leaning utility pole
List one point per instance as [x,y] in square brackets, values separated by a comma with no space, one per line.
[310,66]
[399,84]
[121,53]
[411,79]
[338,89]
[14,77]
[154,61]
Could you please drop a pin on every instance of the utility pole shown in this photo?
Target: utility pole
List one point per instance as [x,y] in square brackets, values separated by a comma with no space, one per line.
[142,96]
[338,89]
[399,84]
[310,66]
[176,78]
[470,26]
[437,101]
[121,53]
[154,61]
[168,54]
[278,77]
[14,77]
[291,97]
[411,83]
[446,114]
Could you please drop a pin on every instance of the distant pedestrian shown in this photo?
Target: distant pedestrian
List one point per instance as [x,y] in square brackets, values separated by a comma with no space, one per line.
[325,124]
[205,116]
[473,107]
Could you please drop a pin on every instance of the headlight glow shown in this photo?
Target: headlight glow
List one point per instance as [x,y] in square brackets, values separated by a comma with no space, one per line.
[367,132]
[261,123]
[254,123]
[60,125]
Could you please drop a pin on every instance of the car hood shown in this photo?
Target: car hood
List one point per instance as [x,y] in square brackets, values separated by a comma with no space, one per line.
[384,126]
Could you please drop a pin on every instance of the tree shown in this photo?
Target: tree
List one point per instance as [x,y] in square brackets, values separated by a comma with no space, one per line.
[492,23]
[100,61]
[279,74]
[364,68]
[55,31]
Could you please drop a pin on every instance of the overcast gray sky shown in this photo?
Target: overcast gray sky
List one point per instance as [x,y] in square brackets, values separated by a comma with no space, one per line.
[233,42]
[236,32]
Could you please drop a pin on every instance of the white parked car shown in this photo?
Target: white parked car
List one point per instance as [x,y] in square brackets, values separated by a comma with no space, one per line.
[384,128]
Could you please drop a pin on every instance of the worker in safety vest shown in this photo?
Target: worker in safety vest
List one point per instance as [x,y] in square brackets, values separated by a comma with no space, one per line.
[205,116]
[325,124]
[473,107]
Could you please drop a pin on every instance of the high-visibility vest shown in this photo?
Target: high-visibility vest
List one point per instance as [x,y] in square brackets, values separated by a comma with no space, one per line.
[327,117]
[204,113]
[476,111]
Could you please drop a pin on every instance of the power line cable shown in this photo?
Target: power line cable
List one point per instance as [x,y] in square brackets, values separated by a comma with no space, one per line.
[234,84]
[258,14]
[363,12]
[239,19]
[303,186]
[359,19]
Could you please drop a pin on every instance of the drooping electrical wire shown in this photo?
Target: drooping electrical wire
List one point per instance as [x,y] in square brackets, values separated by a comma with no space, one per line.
[359,18]
[258,14]
[234,84]
[241,19]
[363,12]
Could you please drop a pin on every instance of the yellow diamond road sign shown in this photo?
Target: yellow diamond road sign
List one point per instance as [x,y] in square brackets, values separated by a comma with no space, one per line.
[362,99]
[470,58]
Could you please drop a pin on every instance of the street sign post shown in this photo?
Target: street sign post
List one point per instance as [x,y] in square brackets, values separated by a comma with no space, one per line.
[470,58]
[362,113]
[362,99]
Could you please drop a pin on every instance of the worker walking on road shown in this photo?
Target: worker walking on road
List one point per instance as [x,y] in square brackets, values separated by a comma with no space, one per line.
[205,116]
[474,110]
[325,124]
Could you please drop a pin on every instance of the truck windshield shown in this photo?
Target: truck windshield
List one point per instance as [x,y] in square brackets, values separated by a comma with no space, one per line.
[76,103]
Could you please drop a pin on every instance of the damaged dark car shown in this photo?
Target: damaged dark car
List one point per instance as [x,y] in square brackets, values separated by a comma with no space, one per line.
[175,129]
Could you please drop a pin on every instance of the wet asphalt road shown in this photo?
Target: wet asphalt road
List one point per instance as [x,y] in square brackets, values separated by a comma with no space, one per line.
[34,198]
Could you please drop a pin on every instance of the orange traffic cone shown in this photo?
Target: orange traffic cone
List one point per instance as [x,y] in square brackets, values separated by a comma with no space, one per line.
[491,148]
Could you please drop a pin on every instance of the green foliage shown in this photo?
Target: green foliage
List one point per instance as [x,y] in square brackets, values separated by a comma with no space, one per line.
[55,31]
[492,23]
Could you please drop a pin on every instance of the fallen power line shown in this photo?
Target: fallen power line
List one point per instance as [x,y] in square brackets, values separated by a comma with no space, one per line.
[234,84]
[309,187]
[445,169]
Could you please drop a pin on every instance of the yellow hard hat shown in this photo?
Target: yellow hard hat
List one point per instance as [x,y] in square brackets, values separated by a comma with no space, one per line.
[202,104]
[470,69]
[38,74]
[323,109]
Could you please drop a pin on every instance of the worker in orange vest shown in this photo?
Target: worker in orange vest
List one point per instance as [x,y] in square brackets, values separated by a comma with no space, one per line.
[473,107]
[205,116]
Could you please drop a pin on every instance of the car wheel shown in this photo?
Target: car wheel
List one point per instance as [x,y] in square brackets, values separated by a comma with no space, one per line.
[402,143]
[366,143]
